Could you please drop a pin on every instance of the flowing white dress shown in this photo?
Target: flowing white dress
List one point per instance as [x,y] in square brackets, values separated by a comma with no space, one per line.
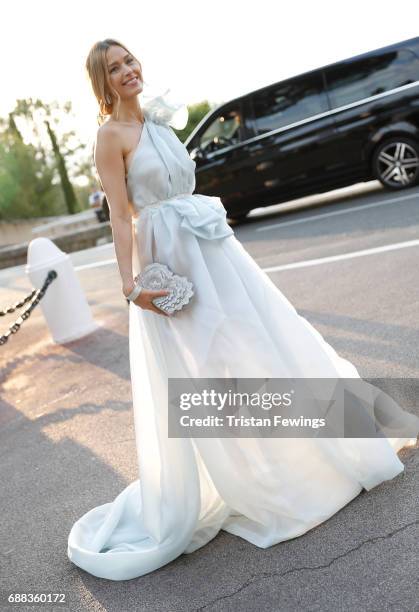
[238,324]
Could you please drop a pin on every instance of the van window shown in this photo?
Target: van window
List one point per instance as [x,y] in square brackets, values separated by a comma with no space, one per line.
[224,130]
[353,81]
[288,102]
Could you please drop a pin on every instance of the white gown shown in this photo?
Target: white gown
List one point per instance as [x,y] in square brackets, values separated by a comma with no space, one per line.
[238,324]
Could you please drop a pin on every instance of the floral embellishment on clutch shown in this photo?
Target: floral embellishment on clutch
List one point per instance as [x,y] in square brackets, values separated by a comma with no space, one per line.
[157,276]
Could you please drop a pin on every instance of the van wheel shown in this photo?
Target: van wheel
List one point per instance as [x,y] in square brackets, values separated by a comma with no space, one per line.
[395,162]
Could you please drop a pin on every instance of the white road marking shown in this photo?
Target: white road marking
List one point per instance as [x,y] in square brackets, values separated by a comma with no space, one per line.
[337,212]
[96,264]
[298,264]
[362,253]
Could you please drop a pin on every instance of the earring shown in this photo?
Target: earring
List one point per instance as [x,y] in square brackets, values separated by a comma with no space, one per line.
[108,99]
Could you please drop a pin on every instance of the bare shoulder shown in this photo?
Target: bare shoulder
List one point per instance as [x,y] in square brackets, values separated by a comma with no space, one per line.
[109,148]
[108,135]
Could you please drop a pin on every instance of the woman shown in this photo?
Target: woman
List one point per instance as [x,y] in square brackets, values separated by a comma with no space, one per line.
[238,324]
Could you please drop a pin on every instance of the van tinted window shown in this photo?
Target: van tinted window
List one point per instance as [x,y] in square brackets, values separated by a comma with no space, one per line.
[353,81]
[224,129]
[288,102]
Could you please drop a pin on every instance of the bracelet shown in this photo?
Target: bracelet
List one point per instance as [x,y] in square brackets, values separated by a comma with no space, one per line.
[134,293]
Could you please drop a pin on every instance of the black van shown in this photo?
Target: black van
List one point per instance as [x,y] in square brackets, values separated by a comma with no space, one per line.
[351,121]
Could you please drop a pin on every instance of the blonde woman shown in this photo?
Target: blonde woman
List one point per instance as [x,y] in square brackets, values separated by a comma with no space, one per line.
[237,324]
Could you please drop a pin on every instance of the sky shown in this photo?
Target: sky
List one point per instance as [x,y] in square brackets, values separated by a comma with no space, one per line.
[214,50]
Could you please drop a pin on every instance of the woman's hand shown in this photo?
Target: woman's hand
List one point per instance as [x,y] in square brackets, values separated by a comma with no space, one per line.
[145,297]
[144,300]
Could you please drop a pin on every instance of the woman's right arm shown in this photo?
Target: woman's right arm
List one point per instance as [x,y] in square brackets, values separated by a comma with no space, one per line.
[110,166]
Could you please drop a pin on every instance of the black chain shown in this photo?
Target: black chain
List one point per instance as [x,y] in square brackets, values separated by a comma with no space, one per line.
[39,294]
[16,305]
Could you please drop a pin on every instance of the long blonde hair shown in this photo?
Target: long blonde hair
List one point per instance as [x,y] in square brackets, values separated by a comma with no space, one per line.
[97,72]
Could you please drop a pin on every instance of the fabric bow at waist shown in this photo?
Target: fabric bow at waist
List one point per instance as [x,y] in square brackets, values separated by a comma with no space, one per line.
[202,215]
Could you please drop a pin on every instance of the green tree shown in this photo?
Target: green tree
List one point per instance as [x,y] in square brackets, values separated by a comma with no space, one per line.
[26,188]
[42,119]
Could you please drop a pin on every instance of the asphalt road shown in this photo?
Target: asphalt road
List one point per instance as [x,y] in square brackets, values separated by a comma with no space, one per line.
[348,261]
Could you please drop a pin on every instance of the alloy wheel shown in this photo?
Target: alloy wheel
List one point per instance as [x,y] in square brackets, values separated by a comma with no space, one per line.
[397,164]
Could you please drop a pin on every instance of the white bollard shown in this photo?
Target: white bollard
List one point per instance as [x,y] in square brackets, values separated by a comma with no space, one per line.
[64,304]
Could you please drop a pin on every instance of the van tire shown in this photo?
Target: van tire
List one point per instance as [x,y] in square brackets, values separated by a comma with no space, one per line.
[395,162]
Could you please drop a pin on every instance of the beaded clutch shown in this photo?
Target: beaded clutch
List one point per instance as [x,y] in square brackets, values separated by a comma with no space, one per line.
[157,276]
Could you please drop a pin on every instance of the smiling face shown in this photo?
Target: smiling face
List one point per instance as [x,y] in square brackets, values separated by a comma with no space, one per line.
[124,72]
